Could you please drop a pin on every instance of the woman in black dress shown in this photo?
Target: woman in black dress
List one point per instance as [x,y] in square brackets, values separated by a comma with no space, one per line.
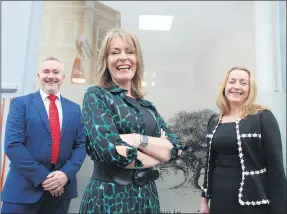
[244,172]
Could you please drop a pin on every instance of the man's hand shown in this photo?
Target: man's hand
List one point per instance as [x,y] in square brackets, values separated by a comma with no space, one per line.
[55,182]
[58,192]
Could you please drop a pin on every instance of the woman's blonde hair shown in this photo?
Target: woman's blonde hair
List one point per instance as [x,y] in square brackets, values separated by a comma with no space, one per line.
[249,107]
[100,78]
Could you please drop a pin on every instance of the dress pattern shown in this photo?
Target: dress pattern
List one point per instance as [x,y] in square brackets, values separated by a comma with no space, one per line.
[107,113]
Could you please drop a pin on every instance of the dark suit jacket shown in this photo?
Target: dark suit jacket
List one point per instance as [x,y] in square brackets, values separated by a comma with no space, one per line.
[28,145]
[260,152]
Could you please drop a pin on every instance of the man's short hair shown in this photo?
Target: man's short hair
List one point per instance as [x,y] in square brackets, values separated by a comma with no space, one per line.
[53,58]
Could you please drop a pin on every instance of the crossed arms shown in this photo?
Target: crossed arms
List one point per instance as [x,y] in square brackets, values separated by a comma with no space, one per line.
[107,145]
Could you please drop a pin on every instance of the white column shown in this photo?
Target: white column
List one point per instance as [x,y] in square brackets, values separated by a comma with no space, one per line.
[264,46]
[268,64]
[281,25]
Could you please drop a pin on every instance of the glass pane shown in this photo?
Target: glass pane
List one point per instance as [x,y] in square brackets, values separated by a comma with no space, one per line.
[76,30]
[187,47]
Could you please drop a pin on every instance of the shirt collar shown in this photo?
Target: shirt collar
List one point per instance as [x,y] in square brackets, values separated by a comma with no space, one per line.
[114,88]
[44,95]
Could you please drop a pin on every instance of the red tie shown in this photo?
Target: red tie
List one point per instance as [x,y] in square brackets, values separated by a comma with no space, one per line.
[55,128]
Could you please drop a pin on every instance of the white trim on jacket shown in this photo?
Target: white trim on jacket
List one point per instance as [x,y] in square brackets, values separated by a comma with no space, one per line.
[241,156]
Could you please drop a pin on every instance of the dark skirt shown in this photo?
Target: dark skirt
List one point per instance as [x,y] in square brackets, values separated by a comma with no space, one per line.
[103,197]
[225,189]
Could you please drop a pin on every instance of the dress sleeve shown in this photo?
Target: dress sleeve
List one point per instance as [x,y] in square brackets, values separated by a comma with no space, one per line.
[272,148]
[205,179]
[173,138]
[102,134]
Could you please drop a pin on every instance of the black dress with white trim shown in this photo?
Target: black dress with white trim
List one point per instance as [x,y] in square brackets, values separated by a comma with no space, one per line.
[226,174]
[244,171]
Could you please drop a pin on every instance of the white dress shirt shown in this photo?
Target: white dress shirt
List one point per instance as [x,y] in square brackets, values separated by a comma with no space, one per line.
[46,101]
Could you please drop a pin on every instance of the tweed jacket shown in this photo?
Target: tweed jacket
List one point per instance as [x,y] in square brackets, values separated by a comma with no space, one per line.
[260,152]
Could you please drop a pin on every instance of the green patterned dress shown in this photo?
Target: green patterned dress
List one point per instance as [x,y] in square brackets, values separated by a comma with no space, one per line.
[107,113]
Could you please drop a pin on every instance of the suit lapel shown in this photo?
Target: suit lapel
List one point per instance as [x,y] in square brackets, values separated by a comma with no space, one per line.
[39,104]
[66,115]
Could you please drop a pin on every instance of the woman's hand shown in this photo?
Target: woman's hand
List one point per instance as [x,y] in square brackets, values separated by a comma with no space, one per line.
[204,209]
[131,139]
[163,135]
[135,139]
[158,147]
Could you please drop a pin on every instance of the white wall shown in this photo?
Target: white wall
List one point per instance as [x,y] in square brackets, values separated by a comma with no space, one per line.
[282,30]
[235,47]
[281,15]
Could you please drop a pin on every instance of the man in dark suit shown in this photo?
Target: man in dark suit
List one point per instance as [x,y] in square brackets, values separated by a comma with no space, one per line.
[45,142]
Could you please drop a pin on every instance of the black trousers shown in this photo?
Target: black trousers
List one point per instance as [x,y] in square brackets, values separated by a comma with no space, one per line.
[46,205]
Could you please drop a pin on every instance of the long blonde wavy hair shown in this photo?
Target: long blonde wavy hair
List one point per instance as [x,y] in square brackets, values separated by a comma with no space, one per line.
[136,85]
[249,107]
